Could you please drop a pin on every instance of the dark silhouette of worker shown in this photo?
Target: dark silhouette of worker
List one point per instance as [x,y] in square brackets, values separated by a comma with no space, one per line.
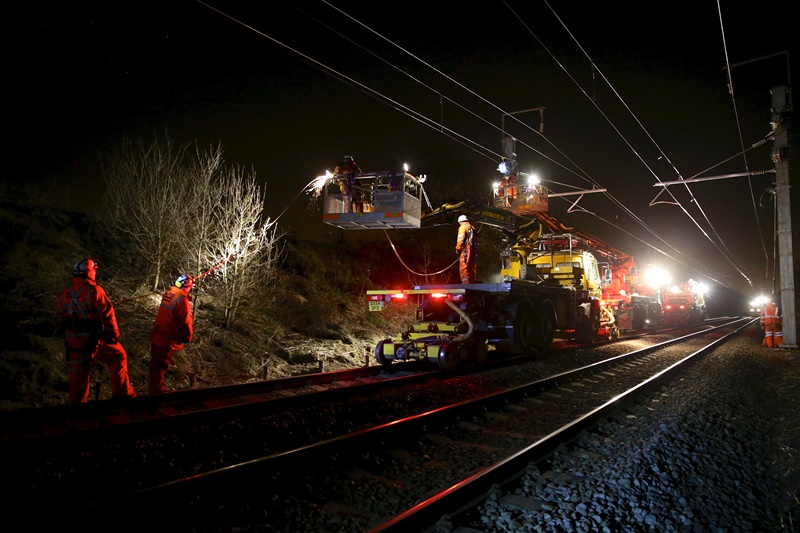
[348,169]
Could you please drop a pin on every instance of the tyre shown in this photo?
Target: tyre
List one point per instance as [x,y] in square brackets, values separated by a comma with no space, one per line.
[480,353]
[525,327]
[448,356]
[587,330]
[638,318]
[382,359]
[546,322]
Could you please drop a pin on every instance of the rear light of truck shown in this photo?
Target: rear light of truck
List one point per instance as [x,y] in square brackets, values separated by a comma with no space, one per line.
[396,296]
[447,296]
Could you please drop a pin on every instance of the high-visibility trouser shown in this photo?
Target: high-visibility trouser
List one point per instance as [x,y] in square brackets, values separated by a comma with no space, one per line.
[81,350]
[467,265]
[114,356]
[778,335]
[770,329]
[160,360]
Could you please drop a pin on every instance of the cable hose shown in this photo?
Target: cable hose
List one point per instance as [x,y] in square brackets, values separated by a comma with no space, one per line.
[463,315]
[409,268]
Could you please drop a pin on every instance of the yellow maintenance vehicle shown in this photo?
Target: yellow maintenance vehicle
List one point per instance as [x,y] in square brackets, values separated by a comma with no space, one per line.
[551,281]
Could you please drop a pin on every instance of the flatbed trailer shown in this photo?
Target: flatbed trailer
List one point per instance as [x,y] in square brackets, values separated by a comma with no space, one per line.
[458,322]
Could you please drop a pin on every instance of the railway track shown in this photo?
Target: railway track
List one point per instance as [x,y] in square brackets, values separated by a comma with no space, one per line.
[461,504]
[317,444]
[151,414]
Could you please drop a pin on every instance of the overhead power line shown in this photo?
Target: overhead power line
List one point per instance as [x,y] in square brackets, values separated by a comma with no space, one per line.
[474,145]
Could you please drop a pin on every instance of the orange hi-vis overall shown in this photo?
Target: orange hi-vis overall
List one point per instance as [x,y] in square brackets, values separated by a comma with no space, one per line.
[773,330]
[91,332]
[466,248]
[172,328]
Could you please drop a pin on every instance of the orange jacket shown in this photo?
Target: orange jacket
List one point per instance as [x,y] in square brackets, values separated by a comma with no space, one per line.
[770,314]
[86,308]
[466,239]
[173,324]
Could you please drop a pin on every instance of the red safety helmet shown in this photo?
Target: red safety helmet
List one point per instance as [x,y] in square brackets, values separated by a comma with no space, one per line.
[85,268]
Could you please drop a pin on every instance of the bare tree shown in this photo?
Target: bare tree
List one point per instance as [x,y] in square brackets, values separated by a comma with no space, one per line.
[193,213]
[146,189]
[246,247]
[199,212]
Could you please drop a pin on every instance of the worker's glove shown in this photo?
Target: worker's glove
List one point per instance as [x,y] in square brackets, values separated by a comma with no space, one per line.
[458,252]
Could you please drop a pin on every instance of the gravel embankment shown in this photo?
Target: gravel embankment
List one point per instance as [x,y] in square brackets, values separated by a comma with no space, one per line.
[717,451]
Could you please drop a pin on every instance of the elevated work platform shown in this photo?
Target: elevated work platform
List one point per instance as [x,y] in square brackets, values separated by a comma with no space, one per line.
[521,199]
[378,200]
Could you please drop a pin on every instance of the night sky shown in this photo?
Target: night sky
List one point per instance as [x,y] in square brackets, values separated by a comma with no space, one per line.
[289,88]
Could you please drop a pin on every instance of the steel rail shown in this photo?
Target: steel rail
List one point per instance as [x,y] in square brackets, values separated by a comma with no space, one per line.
[196,495]
[459,498]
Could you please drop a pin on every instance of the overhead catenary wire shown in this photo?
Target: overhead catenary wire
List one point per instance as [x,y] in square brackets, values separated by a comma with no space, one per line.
[602,113]
[431,123]
[726,253]
[739,130]
[486,152]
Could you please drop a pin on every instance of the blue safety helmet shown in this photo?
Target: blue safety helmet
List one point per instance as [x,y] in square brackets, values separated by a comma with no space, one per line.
[184,282]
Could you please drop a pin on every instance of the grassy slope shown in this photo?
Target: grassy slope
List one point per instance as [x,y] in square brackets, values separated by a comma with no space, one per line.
[315,311]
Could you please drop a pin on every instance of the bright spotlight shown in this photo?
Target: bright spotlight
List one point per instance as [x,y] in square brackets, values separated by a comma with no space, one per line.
[655,277]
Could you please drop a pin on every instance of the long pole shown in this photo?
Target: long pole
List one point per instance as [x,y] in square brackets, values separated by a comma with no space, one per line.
[781,107]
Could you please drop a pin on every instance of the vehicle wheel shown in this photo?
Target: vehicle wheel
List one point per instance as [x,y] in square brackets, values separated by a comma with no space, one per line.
[657,317]
[546,321]
[525,327]
[448,356]
[382,359]
[638,318]
[480,353]
[587,330]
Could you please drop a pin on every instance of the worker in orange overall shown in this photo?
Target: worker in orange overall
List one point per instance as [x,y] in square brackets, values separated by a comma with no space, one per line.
[511,190]
[91,332]
[467,250]
[173,327]
[348,168]
[771,322]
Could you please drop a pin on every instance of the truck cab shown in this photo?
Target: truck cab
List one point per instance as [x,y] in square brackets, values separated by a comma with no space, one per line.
[683,306]
[571,268]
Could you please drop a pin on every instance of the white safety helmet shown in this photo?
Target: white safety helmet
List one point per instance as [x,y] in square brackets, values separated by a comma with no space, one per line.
[463,218]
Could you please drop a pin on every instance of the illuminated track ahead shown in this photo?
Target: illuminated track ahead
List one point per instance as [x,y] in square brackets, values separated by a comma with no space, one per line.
[67,425]
[291,441]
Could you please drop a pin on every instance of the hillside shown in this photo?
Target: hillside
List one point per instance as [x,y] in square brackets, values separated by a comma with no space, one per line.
[313,313]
